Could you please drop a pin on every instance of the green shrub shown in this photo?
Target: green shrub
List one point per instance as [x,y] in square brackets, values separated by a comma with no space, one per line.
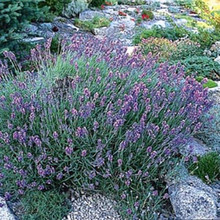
[94,118]
[204,37]
[129,2]
[96,22]
[207,168]
[147,15]
[14,15]
[44,205]
[186,3]
[168,50]
[55,6]
[97,3]
[202,66]
[75,7]
[173,33]
[209,84]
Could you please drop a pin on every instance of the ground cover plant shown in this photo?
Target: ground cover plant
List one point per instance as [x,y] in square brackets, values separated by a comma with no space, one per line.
[168,50]
[204,37]
[207,167]
[95,118]
[96,22]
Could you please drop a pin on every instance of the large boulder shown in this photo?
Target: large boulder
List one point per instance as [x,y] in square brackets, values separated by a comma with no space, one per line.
[194,147]
[192,199]
[90,14]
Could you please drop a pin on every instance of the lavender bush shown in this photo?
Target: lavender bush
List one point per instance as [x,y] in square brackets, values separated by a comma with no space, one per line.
[95,118]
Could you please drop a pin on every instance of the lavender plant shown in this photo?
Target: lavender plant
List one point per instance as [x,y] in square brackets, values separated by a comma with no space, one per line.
[96,118]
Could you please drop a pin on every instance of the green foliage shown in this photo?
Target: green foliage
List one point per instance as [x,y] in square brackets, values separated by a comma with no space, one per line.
[173,33]
[96,22]
[75,7]
[89,117]
[209,84]
[14,15]
[44,205]
[55,6]
[204,37]
[185,3]
[168,50]
[97,3]
[55,44]
[147,13]
[207,168]
[129,2]
[202,65]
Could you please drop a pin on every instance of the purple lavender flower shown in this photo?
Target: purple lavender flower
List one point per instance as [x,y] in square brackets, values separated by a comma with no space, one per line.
[81,132]
[68,151]
[95,125]
[119,162]
[40,187]
[7,196]
[87,93]
[155,193]
[83,153]
[55,135]
[123,196]
[59,176]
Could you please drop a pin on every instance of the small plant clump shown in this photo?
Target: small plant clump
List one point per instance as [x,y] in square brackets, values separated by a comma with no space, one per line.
[96,22]
[207,167]
[209,84]
[94,118]
[147,15]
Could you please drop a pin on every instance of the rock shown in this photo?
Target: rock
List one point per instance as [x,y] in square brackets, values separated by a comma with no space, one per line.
[194,147]
[122,30]
[73,27]
[216,187]
[46,26]
[100,31]
[93,207]
[181,21]
[160,23]
[31,28]
[217,59]
[192,199]
[34,40]
[90,14]
[214,93]
[5,213]
[131,49]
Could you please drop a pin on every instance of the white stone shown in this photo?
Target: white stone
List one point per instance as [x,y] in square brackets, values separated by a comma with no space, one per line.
[34,39]
[73,27]
[194,147]
[181,21]
[217,59]
[5,213]
[89,14]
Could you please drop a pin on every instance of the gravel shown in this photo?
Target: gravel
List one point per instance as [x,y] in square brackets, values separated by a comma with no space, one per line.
[93,207]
